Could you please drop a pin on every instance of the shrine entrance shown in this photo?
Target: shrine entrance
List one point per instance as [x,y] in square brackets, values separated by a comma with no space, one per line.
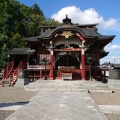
[67,61]
[67,58]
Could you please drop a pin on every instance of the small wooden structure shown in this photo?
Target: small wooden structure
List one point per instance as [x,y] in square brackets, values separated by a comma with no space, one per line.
[66,72]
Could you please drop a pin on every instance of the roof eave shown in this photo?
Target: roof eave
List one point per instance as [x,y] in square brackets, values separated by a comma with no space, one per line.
[67,28]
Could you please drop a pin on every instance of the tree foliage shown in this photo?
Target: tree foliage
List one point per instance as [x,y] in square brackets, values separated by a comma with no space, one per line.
[18,21]
[3,57]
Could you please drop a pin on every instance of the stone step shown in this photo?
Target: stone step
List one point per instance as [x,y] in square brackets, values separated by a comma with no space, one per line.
[54,85]
[67,86]
[7,82]
[58,89]
[55,89]
[58,86]
[102,91]
[101,88]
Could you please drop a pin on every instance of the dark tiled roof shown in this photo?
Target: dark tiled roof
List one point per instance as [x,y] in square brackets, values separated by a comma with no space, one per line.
[90,33]
[103,54]
[20,51]
[84,32]
[44,35]
[106,37]
[32,39]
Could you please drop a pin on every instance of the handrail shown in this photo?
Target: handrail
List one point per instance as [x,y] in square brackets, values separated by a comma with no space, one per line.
[88,67]
[38,67]
[25,64]
[7,71]
[15,73]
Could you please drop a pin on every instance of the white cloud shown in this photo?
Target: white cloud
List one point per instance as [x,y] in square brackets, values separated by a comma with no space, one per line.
[112,47]
[89,16]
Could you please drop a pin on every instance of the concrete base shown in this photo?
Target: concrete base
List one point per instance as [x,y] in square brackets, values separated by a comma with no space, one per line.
[110,109]
[67,86]
[22,82]
[112,83]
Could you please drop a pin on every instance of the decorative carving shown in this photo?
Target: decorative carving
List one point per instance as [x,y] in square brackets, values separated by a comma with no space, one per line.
[56,35]
[67,34]
[78,34]
[72,40]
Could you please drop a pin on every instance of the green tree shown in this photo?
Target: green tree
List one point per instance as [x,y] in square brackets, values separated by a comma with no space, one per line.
[17,41]
[3,56]
[52,22]
[18,21]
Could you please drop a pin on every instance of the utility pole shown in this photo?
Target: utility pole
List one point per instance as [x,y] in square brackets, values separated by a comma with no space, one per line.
[114,59]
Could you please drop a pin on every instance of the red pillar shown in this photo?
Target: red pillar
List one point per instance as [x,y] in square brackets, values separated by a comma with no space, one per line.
[99,58]
[83,64]
[38,58]
[82,58]
[51,65]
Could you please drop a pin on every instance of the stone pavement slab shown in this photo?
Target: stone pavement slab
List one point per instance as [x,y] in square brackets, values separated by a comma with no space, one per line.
[59,106]
[66,86]
[110,108]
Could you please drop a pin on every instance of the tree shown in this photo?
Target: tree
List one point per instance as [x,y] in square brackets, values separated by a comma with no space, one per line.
[18,21]
[3,56]
[52,22]
[17,41]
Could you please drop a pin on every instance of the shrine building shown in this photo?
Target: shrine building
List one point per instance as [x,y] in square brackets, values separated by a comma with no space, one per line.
[67,51]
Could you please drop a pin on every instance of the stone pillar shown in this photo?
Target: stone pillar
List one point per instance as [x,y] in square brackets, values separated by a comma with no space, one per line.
[51,65]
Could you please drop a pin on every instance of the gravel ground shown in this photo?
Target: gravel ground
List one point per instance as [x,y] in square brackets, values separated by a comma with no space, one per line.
[108,99]
[5,113]
[13,95]
[113,116]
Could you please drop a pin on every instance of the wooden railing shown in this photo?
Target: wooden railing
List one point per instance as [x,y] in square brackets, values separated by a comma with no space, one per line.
[38,67]
[88,67]
[15,73]
[25,64]
[7,71]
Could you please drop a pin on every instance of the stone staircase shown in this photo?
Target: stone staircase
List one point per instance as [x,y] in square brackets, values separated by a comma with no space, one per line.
[67,86]
[9,80]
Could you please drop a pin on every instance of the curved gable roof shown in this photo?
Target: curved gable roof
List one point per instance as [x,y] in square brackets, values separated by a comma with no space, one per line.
[86,30]
[90,32]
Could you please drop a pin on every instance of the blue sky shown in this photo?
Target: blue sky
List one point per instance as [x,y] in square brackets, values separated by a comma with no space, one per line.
[104,12]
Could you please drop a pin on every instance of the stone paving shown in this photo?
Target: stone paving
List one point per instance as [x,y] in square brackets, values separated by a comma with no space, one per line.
[59,106]
[63,100]
[67,86]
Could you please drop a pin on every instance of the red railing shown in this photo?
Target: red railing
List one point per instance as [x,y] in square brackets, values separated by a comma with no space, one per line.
[25,64]
[7,71]
[15,73]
